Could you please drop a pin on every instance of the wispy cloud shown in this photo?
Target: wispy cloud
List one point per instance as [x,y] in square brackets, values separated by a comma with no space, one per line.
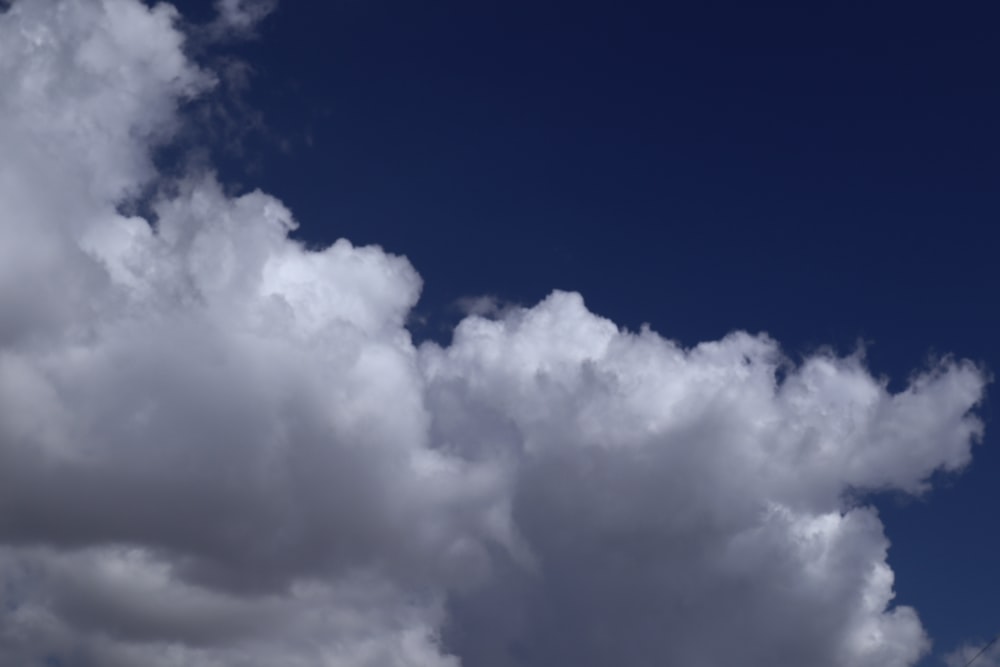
[240,18]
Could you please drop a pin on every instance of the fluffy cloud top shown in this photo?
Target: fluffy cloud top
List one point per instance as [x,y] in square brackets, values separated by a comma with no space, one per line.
[219,447]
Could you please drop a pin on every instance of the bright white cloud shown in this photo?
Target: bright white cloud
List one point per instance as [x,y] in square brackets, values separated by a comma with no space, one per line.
[683,504]
[218,447]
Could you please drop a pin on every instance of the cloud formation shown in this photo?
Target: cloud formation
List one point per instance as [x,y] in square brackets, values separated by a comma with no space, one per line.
[239,18]
[980,655]
[220,447]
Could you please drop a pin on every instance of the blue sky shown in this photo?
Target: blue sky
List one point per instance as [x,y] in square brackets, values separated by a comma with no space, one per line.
[513,422]
[826,174]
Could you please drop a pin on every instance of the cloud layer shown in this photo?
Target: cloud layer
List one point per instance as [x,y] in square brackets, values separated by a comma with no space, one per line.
[219,447]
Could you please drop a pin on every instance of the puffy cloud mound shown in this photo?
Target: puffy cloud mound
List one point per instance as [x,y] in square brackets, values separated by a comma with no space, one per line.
[219,447]
[684,506]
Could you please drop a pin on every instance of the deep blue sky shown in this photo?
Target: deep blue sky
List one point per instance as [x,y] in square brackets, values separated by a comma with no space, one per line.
[822,172]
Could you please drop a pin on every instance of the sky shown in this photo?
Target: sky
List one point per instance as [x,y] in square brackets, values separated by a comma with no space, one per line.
[497,334]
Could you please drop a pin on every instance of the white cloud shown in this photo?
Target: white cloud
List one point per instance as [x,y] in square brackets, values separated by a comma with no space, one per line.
[239,18]
[981,655]
[218,447]
[683,504]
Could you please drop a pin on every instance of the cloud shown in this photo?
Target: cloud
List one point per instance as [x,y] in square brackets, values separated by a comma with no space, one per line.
[980,655]
[219,447]
[239,18]
[484,306]
[683,506]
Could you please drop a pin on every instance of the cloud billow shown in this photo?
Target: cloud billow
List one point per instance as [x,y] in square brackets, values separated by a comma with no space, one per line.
[220,447]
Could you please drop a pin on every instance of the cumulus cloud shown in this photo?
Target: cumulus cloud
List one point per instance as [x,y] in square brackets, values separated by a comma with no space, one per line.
[683,506]
[219,447]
